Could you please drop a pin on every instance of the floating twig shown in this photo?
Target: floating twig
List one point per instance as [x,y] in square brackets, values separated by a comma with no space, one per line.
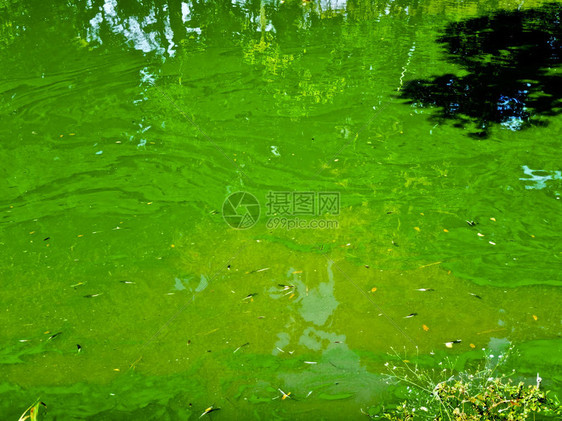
[430,264]
[258,270]
[209,410]
[491,331]
[250,296]
[241,346]
[133,365]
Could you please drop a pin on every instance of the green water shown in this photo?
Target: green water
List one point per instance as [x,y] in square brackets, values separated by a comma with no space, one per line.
[124,126]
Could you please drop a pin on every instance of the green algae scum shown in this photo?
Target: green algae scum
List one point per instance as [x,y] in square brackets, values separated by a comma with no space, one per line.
[280,210]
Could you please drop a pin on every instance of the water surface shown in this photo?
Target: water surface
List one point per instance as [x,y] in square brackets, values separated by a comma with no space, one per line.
[124,126]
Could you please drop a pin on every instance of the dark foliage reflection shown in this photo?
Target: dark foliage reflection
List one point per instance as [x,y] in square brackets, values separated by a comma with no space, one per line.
[510,58]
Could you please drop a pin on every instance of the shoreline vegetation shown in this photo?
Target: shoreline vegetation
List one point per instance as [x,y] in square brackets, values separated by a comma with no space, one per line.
[483,392]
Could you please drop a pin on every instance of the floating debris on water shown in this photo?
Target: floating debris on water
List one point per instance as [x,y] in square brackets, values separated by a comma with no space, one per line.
[133,365]
[285,395]
[211,331]
[241,346]
[429,264]
[258,270]
[491,331]
[451,343]
[209,410]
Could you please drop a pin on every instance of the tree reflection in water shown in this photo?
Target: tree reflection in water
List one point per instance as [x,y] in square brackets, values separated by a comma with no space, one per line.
[510,58]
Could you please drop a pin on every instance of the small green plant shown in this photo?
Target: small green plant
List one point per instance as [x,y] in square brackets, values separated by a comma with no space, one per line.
[480,394]
[32,413]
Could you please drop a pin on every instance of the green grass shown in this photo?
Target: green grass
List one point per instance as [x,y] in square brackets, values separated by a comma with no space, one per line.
[480,393]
